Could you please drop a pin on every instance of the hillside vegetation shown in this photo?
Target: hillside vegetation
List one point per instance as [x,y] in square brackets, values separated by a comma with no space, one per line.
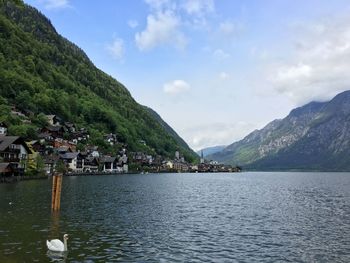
[42,72]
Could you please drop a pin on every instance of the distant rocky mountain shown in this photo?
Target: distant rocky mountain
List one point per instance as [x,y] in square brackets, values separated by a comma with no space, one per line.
[210,150]
[313,137]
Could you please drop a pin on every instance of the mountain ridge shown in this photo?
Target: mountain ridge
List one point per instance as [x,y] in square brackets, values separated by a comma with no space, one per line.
[312,137]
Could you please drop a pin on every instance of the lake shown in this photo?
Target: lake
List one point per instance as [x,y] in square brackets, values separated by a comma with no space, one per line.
[240,217]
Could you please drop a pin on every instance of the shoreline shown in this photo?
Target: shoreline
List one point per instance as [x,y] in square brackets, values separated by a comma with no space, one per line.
[15,179]
[19,178]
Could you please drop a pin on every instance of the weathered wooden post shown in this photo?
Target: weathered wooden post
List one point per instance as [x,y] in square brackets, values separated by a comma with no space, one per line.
[53,195]
[56,192]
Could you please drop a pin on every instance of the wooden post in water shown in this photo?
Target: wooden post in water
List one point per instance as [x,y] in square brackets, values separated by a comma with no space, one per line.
[53,195]
[56,192]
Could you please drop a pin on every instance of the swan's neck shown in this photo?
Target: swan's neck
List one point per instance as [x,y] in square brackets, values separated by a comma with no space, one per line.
[65,245]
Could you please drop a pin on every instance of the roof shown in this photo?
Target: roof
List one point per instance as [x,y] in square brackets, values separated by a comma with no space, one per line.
[92,148]
[54,128]
[69,124]
[6,141]
[43,135]
[51,159]
[90,158]
[63,148]
[69,155]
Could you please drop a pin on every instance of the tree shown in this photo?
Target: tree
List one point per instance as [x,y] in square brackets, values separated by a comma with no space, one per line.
[40,164]
[61,167]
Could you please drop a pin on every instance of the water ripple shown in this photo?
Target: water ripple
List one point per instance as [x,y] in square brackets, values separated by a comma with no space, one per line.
[259,217]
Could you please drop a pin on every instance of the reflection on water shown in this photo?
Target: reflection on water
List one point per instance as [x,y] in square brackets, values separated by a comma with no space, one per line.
[296,217]
[55,224]
[57,256]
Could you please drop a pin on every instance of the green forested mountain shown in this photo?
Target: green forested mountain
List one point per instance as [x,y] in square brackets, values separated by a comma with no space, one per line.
[312,137]
[42,72]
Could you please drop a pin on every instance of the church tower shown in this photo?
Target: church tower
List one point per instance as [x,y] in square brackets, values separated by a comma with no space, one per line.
[202,158]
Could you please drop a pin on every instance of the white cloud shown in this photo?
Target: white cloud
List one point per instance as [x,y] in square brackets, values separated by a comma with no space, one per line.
[258,53]
[169,19]
[220,54]
[55,4]
[195,13]
[133,23]
[222,133]
[162,28]
[198,7]
[320,64]
[229,29]
[292,75]
[224,75]
[117,49]
[229,32]
[159,5]
[176,87]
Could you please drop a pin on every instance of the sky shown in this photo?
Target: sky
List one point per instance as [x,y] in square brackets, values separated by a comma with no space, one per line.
[214,70]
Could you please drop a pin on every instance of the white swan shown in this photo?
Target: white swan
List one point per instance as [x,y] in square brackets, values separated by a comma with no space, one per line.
[57,245]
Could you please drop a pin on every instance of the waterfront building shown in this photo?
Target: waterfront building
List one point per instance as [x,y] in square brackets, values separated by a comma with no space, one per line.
[14,150]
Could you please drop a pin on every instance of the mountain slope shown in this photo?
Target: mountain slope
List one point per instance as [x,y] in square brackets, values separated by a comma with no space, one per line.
[40,71]
[166,127]
[210,150]
[313,137]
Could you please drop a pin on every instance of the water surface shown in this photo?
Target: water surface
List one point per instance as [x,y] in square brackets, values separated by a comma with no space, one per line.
[242,217]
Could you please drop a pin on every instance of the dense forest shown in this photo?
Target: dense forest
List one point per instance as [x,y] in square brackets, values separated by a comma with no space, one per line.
[41,73]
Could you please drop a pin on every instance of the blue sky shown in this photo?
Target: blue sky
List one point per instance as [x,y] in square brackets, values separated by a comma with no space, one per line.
[214,70]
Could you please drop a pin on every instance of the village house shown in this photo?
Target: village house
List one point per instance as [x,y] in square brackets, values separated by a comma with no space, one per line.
[3,128]
[58,143]
[45,137]
[79,135]
[168,164]
[180,166]
[123,163]
[111,138]
[110,164]
[50,163]
[204,167]
[14,150]
[63,149]
[193,168]
[70,127]
[53,120]
[123,159]
[38,147]
[93,151]
[157,160]
[141,158]
[54,131]
[91,164]
[73,160]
